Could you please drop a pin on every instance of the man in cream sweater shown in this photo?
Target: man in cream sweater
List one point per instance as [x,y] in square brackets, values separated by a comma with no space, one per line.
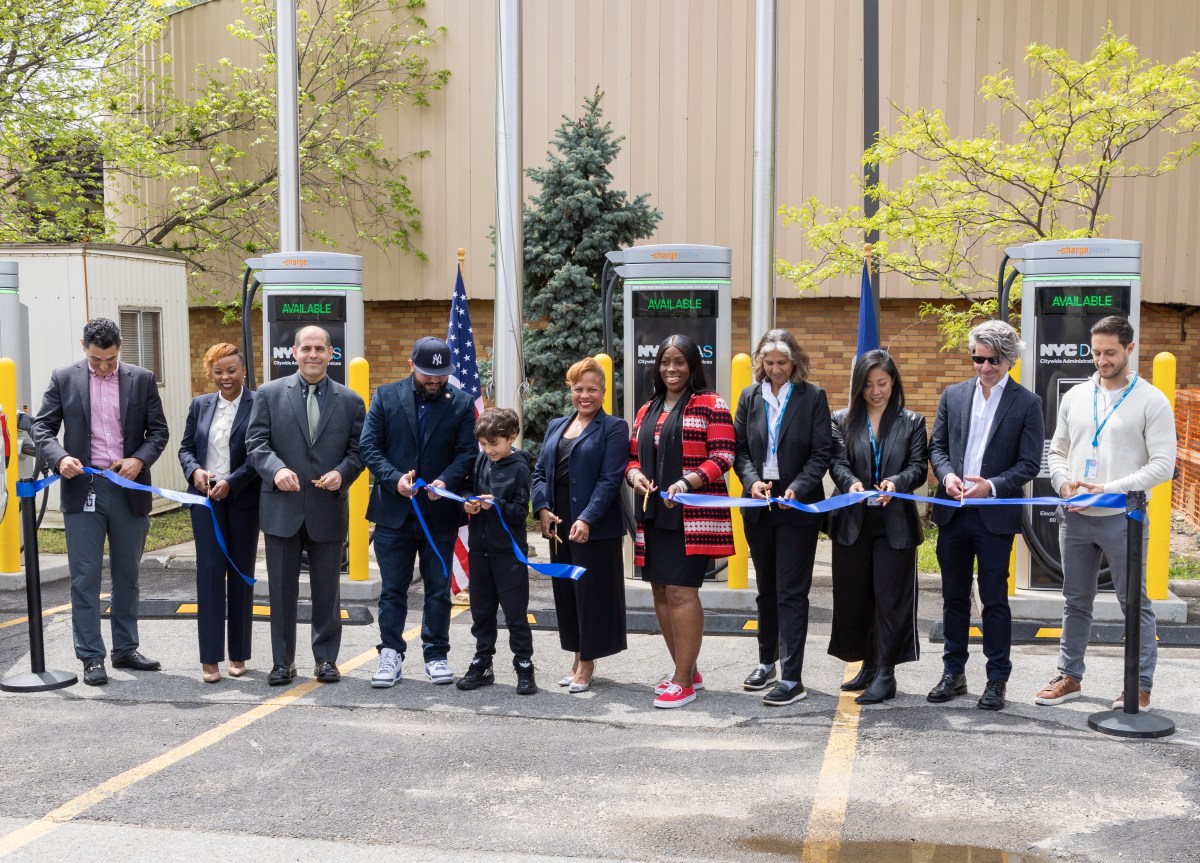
[1115,434]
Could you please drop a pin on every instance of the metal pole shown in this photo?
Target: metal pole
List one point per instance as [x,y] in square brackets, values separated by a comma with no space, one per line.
[37,679]
[762,226]
[508,358]
[1129,722]
[287,109]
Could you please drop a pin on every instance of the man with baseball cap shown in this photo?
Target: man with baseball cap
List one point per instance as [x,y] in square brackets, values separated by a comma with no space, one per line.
[417,428]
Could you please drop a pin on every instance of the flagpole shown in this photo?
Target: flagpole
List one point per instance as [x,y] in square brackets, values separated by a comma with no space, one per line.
[462,256]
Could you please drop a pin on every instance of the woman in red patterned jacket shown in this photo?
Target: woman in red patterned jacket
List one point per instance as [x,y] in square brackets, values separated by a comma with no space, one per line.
[682,442]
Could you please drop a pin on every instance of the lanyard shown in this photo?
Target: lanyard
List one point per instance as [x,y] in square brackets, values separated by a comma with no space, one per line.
[773,440]
[876,453]
[1096,414]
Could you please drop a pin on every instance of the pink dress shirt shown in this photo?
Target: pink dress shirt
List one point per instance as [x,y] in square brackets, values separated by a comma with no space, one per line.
[108,441]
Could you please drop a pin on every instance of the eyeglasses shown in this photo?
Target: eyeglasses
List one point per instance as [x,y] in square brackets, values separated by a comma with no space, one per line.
[978,360]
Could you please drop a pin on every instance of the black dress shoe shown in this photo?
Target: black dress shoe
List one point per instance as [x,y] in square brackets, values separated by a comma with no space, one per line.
[758,679]
[136,661]
[783,694]
[327,672]
[882,688]
[281,675]
[861,680]
[993,696]
[949,687]
[94,673]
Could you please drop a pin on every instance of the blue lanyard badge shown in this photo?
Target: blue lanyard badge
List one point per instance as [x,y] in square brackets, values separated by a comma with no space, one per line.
[1099,426]
[876,454]
[773,439]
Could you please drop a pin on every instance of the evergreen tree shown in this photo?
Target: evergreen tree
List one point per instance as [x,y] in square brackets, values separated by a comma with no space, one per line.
[568,227]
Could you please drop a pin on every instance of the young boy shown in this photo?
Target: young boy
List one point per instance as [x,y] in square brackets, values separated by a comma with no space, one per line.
[498,579]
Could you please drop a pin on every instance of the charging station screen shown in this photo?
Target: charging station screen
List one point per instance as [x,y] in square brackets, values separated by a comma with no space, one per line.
[675,304]
[1083,300]
[660,313]
[287,314]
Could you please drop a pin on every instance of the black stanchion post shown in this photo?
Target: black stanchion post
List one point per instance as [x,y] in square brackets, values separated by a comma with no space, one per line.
[38,679]
[1129,721]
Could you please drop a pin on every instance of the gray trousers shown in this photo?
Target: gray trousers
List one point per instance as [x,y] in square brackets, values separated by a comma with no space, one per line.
[86,532]
[283,585]
[1081,539]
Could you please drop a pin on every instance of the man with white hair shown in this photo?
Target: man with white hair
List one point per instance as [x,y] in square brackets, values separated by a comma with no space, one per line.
[987,441]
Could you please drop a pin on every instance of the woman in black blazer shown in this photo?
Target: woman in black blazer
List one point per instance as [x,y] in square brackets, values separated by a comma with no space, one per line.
[783,450]
[213,457]
[877,445]
[575,496]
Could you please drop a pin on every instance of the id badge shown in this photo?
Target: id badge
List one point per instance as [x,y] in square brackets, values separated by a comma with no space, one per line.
[89,504]
[874,501]
[771,470]
[1091,468]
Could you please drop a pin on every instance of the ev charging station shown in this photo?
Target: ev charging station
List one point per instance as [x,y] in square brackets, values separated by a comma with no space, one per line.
[14,324]
[1067,286]
[668,290]
[302,289]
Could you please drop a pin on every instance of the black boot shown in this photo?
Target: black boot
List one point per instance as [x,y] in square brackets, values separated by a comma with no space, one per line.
[882,688]
[863,679]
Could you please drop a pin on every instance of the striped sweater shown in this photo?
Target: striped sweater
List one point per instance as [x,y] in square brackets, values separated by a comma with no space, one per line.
[708,445]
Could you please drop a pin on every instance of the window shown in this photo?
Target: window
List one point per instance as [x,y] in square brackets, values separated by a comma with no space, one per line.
[141,340]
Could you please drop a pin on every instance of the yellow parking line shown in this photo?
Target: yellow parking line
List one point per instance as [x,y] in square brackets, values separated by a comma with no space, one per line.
[72,809]
[17,621]
[824,834]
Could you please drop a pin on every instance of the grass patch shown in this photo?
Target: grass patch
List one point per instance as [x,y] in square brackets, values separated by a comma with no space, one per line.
[166,529]
[927,551]
[1184,567]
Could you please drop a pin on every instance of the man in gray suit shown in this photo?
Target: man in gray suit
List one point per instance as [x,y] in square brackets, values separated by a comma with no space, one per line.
[987,441]
[113,419]
[303,441]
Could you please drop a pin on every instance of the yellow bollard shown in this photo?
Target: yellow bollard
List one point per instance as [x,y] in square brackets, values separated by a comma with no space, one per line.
[607,364]
[1015,371]
[739,564]
[359,378]
[1158,556]
[10,527]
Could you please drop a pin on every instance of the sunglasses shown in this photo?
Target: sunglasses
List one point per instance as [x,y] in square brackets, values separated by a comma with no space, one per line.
[978,360]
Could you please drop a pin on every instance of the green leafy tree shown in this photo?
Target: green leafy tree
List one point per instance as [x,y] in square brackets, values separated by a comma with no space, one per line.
[945,223]
[58,61]
[216,137]
[569,225]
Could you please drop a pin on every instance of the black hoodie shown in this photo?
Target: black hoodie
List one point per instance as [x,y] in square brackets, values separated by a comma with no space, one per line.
[507,480]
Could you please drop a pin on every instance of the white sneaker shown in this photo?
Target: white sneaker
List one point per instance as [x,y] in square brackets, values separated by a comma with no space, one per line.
[389,670]
[438,671]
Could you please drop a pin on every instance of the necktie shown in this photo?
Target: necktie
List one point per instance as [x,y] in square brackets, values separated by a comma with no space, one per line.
[314,412]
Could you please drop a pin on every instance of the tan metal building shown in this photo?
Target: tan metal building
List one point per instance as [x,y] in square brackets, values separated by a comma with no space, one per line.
[678,78]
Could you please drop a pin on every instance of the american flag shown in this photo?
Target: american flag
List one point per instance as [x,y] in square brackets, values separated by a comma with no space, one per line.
[461,339]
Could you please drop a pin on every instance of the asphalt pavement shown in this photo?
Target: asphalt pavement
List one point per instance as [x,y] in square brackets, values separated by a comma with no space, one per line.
[160,766]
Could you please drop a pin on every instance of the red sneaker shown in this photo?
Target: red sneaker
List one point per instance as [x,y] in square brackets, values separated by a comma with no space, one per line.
[697,682]
[675,696]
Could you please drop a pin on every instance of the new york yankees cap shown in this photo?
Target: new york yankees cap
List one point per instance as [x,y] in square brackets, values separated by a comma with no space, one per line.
[431,356]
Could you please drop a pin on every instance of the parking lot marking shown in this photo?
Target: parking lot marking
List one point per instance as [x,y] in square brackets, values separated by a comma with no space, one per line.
[72,809]
[17,621]
[824,834]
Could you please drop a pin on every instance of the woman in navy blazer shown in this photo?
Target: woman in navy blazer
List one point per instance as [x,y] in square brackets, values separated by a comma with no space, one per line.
[576,484]
[213,457]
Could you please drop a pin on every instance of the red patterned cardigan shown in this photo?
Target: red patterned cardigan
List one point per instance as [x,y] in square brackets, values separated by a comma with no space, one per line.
[708,444]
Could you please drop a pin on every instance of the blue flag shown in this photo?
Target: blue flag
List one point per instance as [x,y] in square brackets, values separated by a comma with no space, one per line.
[868,323]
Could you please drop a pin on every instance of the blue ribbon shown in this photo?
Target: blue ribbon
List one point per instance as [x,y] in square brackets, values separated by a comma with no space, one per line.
[29,489]
[554,570]
[708,501]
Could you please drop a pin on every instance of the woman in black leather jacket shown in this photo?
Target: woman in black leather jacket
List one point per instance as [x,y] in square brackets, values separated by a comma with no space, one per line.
[877,444]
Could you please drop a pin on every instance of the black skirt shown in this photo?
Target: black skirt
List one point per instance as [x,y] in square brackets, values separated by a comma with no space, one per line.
[667,560]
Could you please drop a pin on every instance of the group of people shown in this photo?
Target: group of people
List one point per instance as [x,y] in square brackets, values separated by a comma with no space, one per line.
[280,460]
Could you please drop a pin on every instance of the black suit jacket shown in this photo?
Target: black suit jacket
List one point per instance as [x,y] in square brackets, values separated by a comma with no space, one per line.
[597,467]
[68,403]
[244,482]
[1012,455]
[278,438]
[390,448]
[805,447]
[904,461]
